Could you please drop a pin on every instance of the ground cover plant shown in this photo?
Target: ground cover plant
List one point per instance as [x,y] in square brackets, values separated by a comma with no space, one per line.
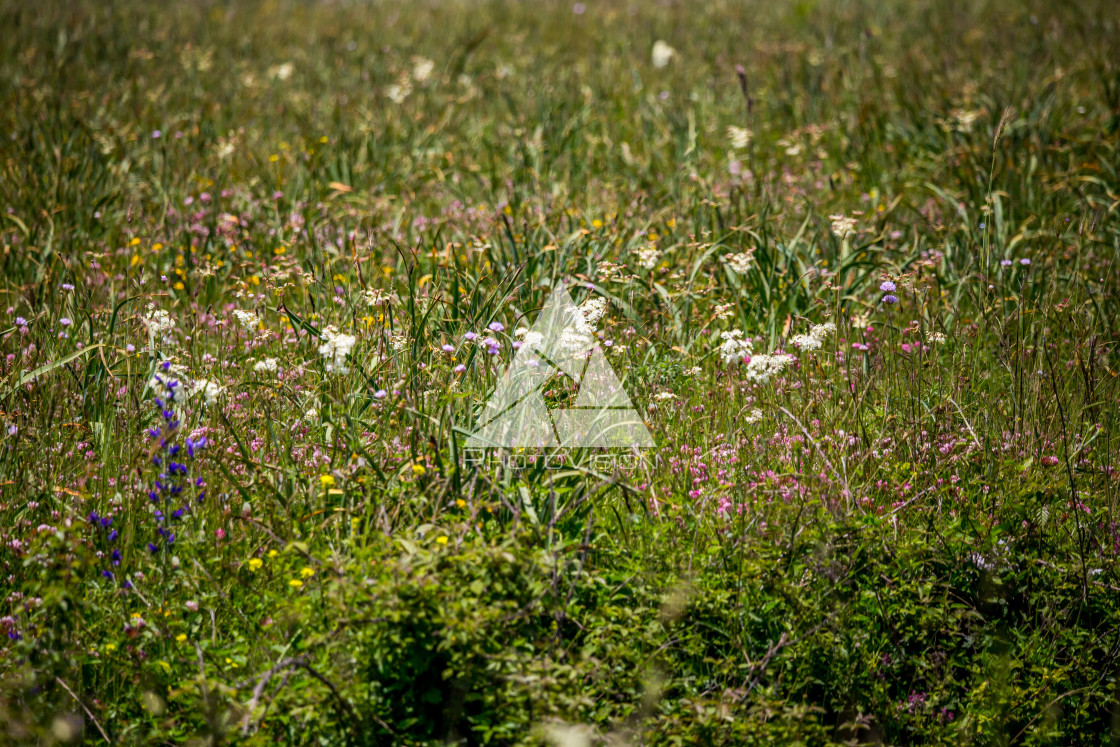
[263,263]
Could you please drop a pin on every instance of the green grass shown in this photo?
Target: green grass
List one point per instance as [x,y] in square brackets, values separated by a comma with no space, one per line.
[907,536]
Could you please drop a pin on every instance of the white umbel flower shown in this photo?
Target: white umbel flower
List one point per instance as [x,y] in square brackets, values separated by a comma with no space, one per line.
[734,347]
[815,338]
[334,348]
[662,54]
[266,365]
[762,367]
[208,390]
[247,319]
[740,137]
[740,263]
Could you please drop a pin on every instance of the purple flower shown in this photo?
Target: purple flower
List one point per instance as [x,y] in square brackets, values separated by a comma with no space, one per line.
[470,336]
[156,134]
[496,327]
[1005,262]
[888,287]
[460,368]
[1024,261]
[448,348]
[65,321]
[380,394]
[890,299]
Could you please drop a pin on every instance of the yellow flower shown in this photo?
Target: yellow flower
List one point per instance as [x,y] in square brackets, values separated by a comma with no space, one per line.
[255,564]
[295,583]
[460,503]
[441,540]
[307,572]
[165,665]
[272,553]
[418,469]
[326,480]
[110,648]
[182,637]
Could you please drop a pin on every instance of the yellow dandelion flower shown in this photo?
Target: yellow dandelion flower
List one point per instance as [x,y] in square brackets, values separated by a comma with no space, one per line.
[255,564]
[295,583]
[326,480]
[441,540]
[181,638]
[307,572]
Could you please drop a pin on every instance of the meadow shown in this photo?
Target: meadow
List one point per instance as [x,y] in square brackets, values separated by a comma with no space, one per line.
[264,262]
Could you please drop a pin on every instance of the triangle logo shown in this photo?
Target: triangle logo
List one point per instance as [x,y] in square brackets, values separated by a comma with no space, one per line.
[560,342]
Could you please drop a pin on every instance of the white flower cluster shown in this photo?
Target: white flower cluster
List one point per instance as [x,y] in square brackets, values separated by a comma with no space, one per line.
[734,347]
[266,365]
[740,263]
[208,390]
[762,367]
[740,137]
[842,225]
[816,337]
[754,417]
[662,54]
[335,347]
[593,310]
[247,319]
[158,321]
[376,297]
[648,257]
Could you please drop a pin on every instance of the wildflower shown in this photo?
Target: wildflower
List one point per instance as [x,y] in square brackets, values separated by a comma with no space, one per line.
[326,480]
[662,54]
[265,365]
[335,347]
[1005,262]
[734,347]
[441,540]
[459,368]
[1024,261]
[648,257]
[754,417]
[418,469]
[65,322]
[740,263]
[815,338]
[740,137]
[306,572]
[295,583]
[470,336]
[593,310]
[380,394]
[247,319]
[422,69]
[375,297]
[210,391]
[664,395]
[399,91]
[888,287]
[157,321]
[447,348]
[890,299]
[842,225]
[496,327]
[255,564]
[761,367]
[936,337]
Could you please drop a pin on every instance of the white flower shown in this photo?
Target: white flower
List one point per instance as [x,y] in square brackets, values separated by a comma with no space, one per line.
[734,347]
[422,69]
[740,137]
[158,321]
[762,367]
[209,390]
[662,54]
[311,415]
[335,347]
[664,395]
[375,297]
[266,365]
[647,258]
[842,225]
[398,92]
[247,319]
[398,341]
[740,263]
[815,338]
[282,72]
[754,417]
[593,310]
[725,310]
[936,337]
